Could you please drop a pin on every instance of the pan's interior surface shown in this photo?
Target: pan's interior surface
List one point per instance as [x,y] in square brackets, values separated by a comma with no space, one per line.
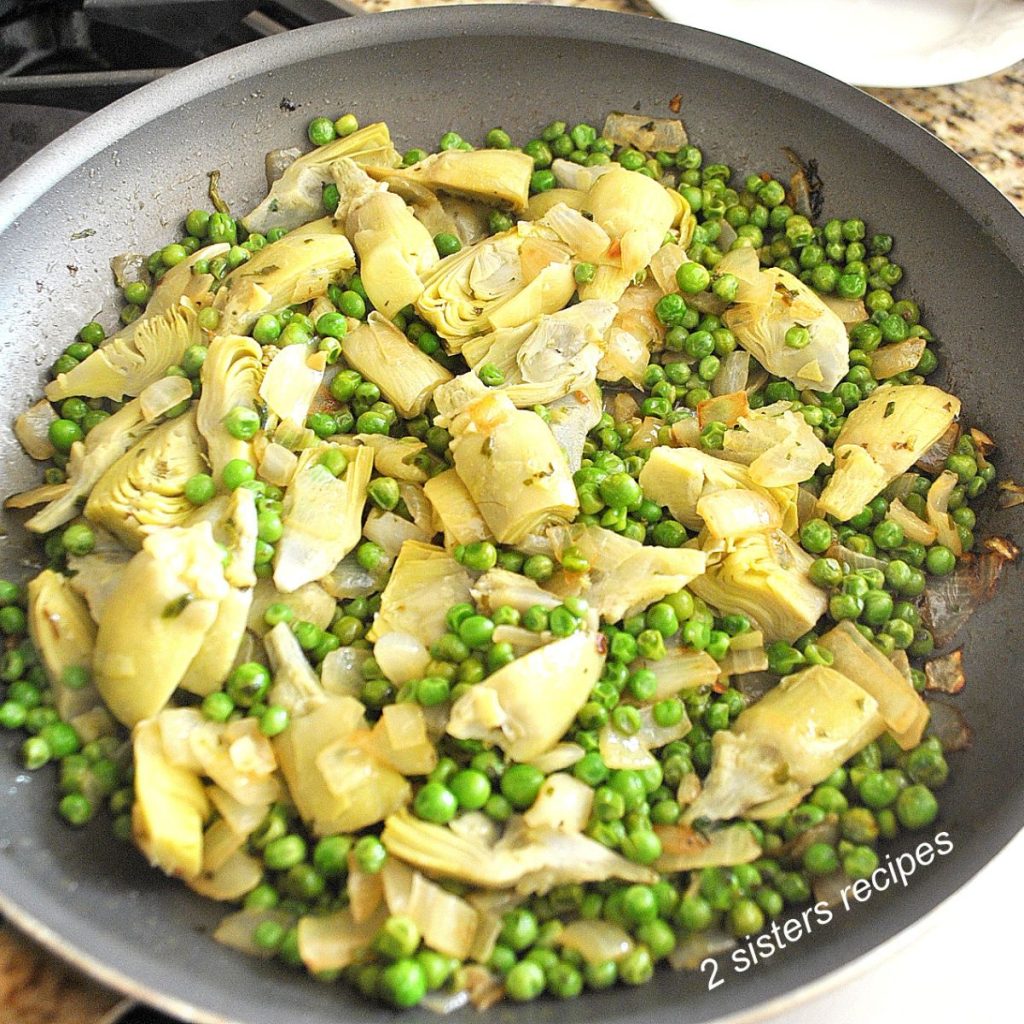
[426,72]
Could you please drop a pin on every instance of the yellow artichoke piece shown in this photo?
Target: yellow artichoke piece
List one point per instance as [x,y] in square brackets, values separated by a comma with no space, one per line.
[393,456]
[353,183]
[395,250]
[231,377]
[322,517]
[778,445]
[295,268]
[297,196]
[144,490]
[32,429]
[894,426]
[296,687]
[626,576]
[98,574]
[124,366]
[634,210]
[680,477]
[484,286]
[498,177]
[526,706]
[790,740]
[291,382]
[64,635]
[512,467]
[155,622]
[762,576]
[453,505]
[760,327]
[383,354]
[170,807]
[425,582]
[89,460]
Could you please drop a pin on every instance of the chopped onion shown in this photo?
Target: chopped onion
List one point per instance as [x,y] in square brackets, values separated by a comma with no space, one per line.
[729,514]
[277,161]
[732,375]
[850,311]
[484,988]
[938,515]
[1010,494]
[596,941]
[220,843]
[176,727]
[348,580]
[743,264]
[32,428]
[242,819]
[333,942]
[900,357]
[686,432]
[686,849]
[664,264]
[239,875]
[625,356]
[563,803]
[754,685]
[949,726]
[619,750]
[727,409]
[558,758]
[237,930]
[741,662]
[854,559]
[913,528]
[277,465]
[247,788]
[697,947]
[249,750]
[946,674]
[365,892]
[391,531]
[934,460]
[401,657]
[291,381]
[163,395]
[587,239]
[829,889]
[339,672]
[647,134]
[682,669]
[806,504]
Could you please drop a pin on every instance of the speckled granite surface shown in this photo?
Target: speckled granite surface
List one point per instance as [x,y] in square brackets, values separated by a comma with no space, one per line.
[982,120]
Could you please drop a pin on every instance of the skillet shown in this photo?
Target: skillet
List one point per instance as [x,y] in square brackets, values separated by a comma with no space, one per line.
[121,179]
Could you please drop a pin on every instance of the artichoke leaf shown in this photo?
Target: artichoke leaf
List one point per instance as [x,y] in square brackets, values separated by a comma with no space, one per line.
[763,576]
[97,575]
[64,635]
[455,509]
[881,439]
[144,490]
[295,687]
[760,327]
[297,195]
[778,445]
[291,382]
[322,517]
[513,468]
[571,418]
[406,375]
[626,576]
[89,460]
[155,621]
[125,366]
[425,582]
[295,268]
[353,184]
[787,742]
[498,177]
[170,807]
[498,587]
[395,250]
[526,706]
[231,377]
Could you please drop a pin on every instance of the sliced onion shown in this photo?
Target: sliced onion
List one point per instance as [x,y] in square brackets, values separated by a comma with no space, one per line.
[913,528]
[563,803]
[242,819]
[854,559]
[391,531]
[682,669]
[647,134]
[900,357]
[938,514]
[163,395]
[365,892]
[727,409]
[237,930]
[558,758]
[686,849]
[291,381]
[219,844]
[850,311]
[729,514]
[596,941]
[697,947]
[238,875]
[586,238]
[946,674]
[32,428]
[949,726]
[732,376]
[401,657]
[934,460]
[277,465]
[333,942]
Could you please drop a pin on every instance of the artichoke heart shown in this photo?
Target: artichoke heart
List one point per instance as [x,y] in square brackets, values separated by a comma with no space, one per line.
[882,438]
[485,286]
[126,365]
[295,268]
[760,327]
[680,477]
[425,582]
[395,250]
[406,375]
[156,620]
[791,739]
[297,196]
[231,376]
[145,489]
[322,517]
[626,576]
[89,460]
[512,467]
[763,576]
[498,177]
[634,210]
[170,806]
[526,706]
[453,506]
[64,635]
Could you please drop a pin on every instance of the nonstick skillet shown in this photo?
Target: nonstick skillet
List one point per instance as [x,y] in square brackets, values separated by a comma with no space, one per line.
[115,182]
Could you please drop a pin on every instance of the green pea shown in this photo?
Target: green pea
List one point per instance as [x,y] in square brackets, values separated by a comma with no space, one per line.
[402,983]
[916,807]
[520,785]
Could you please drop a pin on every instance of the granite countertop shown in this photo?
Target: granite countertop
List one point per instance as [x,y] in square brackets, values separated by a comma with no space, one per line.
[982,120]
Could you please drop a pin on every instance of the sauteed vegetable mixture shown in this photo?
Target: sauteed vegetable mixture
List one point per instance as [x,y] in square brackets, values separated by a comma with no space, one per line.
[496,571]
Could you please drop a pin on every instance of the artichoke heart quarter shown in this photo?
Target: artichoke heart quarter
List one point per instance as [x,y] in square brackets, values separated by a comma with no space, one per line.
[145,489]
[125,366]
[156,620]
[512,467]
